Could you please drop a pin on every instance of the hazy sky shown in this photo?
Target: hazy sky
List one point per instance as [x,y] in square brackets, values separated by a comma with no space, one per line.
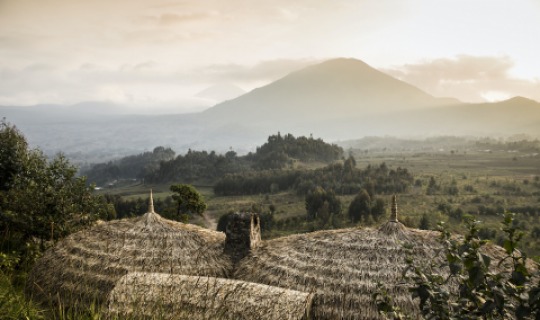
[161,53]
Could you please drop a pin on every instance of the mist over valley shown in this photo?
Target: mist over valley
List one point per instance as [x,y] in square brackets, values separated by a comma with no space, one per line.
[338,100]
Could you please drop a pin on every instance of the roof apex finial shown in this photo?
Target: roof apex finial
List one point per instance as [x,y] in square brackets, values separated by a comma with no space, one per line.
[394,215]
[151,203]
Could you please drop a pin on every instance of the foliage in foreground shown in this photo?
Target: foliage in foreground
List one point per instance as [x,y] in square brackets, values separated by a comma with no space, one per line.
[41,201]
[472,289]
[13,303]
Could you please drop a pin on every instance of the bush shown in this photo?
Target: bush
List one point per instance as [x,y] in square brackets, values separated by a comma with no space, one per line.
[40,200]
[476,292]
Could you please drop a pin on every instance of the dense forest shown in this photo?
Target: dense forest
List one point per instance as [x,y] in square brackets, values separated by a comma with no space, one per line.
[279,152]
[130,167]
[344,179]
[161,165]
[197,166]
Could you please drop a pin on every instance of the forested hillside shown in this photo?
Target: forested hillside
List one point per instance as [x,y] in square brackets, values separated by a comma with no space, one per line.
[279,151]
[130,167]
[161,165]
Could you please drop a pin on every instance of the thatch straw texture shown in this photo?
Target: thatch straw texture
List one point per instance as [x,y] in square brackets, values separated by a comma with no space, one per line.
[165,296]
[85,267]
[150,267]
[342,267]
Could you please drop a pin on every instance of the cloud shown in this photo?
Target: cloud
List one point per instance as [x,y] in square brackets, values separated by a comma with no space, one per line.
[147,65]
[69,51]
[268,70]
[468,78]
[171,19]
[461,68]
[146,82]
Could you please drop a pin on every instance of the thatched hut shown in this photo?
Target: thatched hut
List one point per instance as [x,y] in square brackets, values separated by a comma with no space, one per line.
[343,267]
[168,296]
[151,267]
[85,267]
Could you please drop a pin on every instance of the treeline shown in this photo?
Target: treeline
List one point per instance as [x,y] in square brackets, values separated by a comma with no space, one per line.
[161,165]
[130,167]
[279,152]
[197,166]
[256,182]
[128,208]
[344,179]
[181,206]
[521,145]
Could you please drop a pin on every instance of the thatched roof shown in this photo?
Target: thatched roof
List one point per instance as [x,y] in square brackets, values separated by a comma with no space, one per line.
[150,266]
[342,267]
[165,296]
[85,266]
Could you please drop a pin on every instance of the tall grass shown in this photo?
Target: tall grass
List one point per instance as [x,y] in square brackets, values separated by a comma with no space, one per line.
[13,303]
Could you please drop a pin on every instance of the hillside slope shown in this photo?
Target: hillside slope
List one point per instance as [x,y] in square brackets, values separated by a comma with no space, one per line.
[339,88]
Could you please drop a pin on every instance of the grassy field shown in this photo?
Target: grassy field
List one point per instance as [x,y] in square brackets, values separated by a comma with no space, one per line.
[496,180]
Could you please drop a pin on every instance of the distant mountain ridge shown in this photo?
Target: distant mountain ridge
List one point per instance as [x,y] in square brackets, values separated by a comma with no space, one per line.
[221,92]
[342,87]
[340,99]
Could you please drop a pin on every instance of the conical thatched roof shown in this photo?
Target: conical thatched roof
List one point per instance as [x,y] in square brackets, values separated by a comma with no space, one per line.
[342,267]
[165,296]
[85,266]
[149,266]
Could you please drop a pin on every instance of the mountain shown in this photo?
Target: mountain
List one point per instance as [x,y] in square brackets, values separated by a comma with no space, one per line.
[340,99]
[221,92]
[505,118]
[343,98]
[515,115]
[339,89]
[335,99]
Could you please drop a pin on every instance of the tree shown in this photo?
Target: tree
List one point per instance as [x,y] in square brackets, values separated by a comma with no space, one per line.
[424,223]
[360,206]
[379,208]
[535,233]
[315,203]
[188,201]
[13,154]
[349,164]
[40,200]
[323,214]
[453,188]
[432,186]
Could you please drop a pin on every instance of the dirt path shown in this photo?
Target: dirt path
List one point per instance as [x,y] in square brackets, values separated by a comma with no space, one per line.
[211,222]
